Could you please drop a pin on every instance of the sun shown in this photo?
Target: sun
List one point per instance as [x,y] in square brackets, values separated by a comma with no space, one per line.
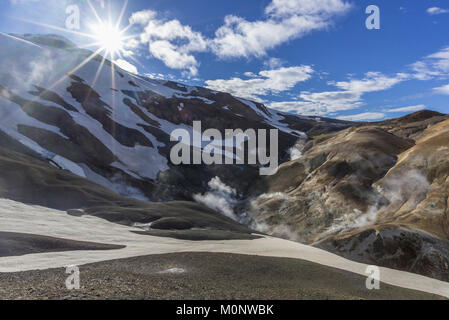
[109,38]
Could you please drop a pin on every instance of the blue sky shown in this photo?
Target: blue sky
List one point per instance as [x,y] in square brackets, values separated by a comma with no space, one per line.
[300,56]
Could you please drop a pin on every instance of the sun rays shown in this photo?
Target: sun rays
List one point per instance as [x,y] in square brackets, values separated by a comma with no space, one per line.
[110,38]
[107,38]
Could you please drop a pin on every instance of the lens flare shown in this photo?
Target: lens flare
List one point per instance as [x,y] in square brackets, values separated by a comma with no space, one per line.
[109,41]
[109,38]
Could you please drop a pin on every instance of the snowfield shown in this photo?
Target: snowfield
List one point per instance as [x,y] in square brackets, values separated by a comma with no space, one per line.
[22,218]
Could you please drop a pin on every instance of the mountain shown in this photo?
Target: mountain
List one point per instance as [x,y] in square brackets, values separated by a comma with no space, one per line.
[83,114]
[78,134]
[376,193]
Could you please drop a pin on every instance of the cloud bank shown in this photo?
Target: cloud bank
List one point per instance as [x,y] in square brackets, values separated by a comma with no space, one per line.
[266,82]
[176,44]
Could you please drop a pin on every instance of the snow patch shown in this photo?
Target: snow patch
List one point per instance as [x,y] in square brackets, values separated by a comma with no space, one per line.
[173,271]
[68,165]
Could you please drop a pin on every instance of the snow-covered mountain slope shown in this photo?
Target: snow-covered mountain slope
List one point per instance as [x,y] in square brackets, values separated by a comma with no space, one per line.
[26,179]
[83,114]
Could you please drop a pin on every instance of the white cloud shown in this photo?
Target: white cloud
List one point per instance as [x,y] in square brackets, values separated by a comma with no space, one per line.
[266,82]
[132,44]
[320,8]
[321,103]
[305,108]
[168,53]
[176,45]
[373,81]
[125,65]
[443,89]
[273,63]
[437,10]
[363,116]
[250,75]
[408,109]
[285,20]
[350,96]
[433,66]
[142,17]
[170,41]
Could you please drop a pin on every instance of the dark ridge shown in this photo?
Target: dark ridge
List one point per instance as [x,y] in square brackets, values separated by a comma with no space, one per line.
[414,117]
[52,97]
[19,244]
[199,235]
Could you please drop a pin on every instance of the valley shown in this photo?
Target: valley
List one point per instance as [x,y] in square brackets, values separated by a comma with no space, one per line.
[86,179]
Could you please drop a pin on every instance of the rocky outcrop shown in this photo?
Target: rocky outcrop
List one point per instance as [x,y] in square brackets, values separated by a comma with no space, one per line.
[376,193]
[394,246]
[332,179]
